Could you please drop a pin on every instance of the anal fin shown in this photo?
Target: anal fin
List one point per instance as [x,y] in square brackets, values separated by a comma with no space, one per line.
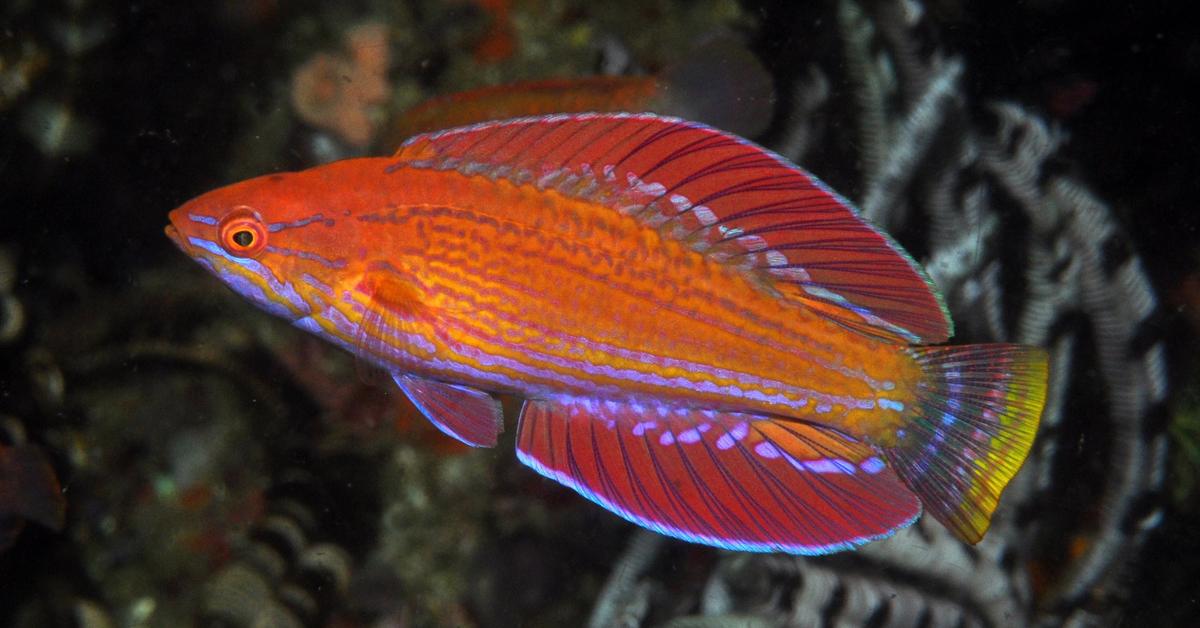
[726,479]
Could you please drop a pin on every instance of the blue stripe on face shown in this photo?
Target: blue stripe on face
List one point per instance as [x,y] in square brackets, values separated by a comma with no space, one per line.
[309,324]
[317,283]
[280,226]
[312,257]
[281,299]
[253,292]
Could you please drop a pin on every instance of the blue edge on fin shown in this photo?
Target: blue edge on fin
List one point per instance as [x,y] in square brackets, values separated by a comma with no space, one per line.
[667,530]
[802,550]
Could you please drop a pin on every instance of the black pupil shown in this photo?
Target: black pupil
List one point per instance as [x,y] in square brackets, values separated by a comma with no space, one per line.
[243,238]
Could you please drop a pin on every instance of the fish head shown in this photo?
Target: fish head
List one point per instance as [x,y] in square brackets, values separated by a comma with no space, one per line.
[264,239]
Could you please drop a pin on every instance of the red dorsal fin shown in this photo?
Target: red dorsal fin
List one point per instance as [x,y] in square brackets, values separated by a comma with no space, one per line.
[724,195]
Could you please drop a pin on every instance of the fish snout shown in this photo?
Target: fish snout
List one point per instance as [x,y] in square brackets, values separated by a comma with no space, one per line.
[174,235]
[181,227]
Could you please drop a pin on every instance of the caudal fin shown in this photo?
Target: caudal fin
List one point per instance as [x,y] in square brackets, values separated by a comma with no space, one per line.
[977,411]
[721,84]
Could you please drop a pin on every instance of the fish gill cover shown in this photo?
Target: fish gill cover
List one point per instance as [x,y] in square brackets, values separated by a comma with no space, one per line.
[219,467]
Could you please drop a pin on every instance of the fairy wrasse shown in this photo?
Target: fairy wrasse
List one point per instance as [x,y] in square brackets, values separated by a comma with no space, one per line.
[710,342]
[719,83]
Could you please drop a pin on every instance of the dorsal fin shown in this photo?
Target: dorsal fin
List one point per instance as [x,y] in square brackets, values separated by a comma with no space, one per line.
[724,195]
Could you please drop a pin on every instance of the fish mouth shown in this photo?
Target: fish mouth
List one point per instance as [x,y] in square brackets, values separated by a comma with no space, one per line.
[173,234]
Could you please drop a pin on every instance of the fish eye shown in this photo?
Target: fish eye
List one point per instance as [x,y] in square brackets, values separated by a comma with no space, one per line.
[243,238]
[242,233]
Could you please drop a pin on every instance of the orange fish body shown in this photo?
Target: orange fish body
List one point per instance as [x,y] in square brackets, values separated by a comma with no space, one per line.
[574,269]
[710,342]
[719,83]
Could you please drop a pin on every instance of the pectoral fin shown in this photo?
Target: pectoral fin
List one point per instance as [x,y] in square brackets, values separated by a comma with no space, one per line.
[467,414]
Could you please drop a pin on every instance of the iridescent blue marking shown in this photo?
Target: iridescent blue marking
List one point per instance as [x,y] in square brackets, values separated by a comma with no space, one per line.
[335,264]
[888,404]
[280,226]
[735,434]
[865,314]
[253,292]
[202,219]
[640,428]
[689,436]
[282,291]
[309,324]
[824,465]
[768,450]
[872,465]
[947,418]
[317,283]
[341,323]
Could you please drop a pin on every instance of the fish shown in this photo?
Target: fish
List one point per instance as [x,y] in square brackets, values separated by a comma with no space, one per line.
[709,341]
[720,83]
[29,491]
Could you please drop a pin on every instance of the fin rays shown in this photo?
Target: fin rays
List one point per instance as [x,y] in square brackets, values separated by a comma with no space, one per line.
[726,479]
[977,414]
[719,193]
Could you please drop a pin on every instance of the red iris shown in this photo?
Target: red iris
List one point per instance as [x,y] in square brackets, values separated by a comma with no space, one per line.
[242,233]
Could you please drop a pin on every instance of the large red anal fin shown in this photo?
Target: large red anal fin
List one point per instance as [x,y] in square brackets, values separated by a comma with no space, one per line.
[726,479]
[722,194]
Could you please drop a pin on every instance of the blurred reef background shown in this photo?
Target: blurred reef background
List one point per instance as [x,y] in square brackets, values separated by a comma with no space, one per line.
[182,459]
